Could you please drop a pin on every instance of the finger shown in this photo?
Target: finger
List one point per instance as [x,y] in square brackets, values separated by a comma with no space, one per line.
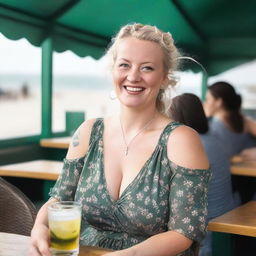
[44,249]
[33,251]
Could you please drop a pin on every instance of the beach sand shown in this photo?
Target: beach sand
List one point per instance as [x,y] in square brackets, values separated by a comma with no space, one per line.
[22,116]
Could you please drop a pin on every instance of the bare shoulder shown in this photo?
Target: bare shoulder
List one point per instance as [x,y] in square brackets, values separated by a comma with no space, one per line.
[185,148]
[80,140]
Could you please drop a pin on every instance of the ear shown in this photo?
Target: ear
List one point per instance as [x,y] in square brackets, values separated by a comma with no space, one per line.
[165,83]
[219,103]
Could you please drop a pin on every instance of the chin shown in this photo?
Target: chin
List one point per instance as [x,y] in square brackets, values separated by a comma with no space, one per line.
[131,103]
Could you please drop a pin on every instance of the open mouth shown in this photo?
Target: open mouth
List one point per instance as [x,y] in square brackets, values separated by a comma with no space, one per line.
[134,89]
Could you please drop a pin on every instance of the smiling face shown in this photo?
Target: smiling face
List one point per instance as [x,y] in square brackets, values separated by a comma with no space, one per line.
[138,72]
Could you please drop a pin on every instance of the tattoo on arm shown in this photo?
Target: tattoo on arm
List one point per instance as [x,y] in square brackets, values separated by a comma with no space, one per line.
[75,140]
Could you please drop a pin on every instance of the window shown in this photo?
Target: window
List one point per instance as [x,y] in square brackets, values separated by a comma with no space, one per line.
[20,94]
[79,85]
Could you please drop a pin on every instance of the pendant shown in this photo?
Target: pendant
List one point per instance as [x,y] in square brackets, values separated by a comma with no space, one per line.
[126,151]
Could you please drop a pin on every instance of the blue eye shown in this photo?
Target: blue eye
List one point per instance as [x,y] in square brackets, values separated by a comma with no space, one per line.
[147,68]
[123,65]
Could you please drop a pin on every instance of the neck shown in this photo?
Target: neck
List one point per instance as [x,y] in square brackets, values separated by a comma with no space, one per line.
[133,120]
[221,115]
[139,125]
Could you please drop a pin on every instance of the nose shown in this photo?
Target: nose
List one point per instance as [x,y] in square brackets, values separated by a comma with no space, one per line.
[133,75]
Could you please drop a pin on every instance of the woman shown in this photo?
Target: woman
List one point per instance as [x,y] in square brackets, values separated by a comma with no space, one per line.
[141,178]
[188,109]
[223,105]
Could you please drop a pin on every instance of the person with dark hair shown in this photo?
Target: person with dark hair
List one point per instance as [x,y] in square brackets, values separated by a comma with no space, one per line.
[188,109]
[223,107]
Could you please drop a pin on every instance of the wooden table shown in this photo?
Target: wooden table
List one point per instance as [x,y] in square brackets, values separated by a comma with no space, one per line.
[38,169]
[13,245]
[246,168]
[17,245]
[240,221]
[56,142]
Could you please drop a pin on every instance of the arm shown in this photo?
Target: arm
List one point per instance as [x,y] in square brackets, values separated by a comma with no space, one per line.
[250,126]
[77,149]
[169,243]
[248,154]
[80,140]
[185,149]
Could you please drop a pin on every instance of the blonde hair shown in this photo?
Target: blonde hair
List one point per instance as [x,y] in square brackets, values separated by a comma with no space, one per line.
[164,40]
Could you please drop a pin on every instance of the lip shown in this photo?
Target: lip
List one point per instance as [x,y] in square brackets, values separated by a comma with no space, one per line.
[133,89]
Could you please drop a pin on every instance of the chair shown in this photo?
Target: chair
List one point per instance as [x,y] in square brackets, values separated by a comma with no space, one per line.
[17,212]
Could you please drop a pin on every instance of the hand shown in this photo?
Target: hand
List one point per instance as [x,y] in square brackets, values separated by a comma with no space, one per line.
[40,241]
[248,154]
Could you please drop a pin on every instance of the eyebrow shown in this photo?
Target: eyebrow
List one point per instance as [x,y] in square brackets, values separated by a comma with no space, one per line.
[146,62]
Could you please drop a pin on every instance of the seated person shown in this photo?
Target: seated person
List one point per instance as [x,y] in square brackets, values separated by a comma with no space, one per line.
[223,106]
[188,109]
[141,178]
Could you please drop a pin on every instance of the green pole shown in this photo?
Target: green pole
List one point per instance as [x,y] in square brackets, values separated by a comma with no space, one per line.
[46,76]
[204,85]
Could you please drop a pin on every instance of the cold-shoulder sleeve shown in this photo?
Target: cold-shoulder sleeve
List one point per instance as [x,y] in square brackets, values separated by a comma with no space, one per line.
[188,202]
[66,185]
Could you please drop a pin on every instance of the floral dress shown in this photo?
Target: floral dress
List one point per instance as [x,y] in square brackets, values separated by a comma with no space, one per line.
[163,196]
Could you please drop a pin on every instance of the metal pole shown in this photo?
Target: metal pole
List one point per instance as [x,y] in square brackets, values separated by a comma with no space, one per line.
[204,85]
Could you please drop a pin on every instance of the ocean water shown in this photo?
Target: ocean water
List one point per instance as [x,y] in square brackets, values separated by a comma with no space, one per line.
[14,82]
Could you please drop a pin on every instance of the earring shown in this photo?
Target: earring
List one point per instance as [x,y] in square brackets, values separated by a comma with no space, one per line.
[112,95]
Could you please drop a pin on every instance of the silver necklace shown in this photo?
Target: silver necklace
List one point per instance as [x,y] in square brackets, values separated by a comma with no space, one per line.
[140,131]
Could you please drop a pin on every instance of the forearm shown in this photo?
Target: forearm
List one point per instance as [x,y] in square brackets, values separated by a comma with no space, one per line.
[165,244]
[250,126]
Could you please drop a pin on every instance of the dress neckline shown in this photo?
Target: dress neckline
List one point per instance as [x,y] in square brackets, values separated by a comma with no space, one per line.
[140,172]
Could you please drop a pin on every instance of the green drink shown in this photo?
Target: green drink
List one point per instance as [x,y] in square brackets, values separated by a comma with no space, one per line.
[64,225]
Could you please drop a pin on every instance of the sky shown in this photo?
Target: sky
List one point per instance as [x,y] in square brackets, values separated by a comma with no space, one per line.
[21,57]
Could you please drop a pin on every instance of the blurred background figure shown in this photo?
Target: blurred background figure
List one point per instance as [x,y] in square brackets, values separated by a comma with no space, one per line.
[188,109]
[248,154]
[235,130]
[25,90]
[223,107]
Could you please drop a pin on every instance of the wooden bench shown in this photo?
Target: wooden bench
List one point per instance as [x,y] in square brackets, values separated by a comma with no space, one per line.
[240,221]
[56,142]
[38,169]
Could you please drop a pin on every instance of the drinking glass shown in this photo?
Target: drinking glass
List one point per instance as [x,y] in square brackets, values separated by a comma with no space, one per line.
[64,225]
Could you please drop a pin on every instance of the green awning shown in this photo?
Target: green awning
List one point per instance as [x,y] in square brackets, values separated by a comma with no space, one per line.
[220,34]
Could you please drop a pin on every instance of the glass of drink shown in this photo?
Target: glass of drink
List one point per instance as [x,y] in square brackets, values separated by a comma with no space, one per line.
[64,225]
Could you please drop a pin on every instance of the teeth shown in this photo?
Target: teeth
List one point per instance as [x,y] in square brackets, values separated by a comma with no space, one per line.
[134,89]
